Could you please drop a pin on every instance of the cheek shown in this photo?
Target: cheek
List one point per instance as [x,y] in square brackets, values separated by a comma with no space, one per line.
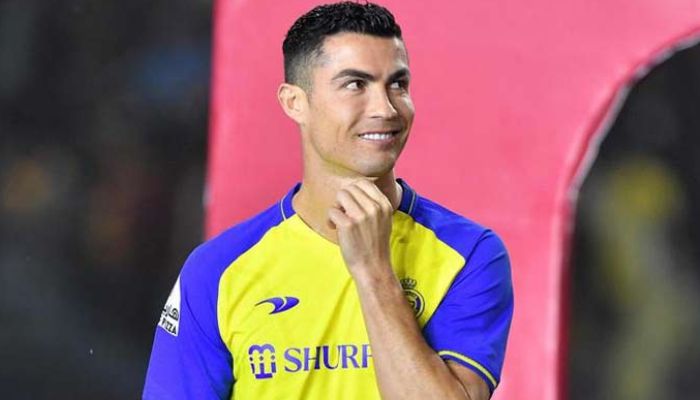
[320,115]
[342,114]
[405,107]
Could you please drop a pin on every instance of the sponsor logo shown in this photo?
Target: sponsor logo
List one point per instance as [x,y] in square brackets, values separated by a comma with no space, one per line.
[170,317]
[280,303]
[415,299]
[263,367]
[263,360]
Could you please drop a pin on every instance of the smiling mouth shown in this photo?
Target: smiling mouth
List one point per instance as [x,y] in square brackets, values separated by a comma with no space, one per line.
[379,136]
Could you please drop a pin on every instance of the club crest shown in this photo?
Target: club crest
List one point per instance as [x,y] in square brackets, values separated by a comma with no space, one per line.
[415,299]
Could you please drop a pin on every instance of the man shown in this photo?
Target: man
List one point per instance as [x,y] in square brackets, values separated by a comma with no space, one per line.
[352,286]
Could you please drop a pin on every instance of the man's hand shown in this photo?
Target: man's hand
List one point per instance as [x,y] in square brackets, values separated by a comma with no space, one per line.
[405,366]
[362,217]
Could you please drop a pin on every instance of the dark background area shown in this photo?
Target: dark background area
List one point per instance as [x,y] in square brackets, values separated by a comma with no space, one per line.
[103,123]
[636,281]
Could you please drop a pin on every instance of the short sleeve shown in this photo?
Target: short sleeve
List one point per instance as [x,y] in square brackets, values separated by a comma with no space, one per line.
[189,359]
[471,324]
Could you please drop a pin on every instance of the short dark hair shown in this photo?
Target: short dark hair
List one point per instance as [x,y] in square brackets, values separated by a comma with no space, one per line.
[304,41]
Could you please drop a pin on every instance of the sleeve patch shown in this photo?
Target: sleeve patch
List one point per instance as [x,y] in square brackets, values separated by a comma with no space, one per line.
[170,317]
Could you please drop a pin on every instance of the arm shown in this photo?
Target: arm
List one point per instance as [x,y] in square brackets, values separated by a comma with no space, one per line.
[406,366]
[189,359]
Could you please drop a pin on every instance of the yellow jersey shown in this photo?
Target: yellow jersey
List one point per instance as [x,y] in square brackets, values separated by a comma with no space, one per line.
[268,310]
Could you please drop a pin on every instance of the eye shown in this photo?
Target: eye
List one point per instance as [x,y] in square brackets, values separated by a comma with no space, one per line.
[355,85]
[401,84]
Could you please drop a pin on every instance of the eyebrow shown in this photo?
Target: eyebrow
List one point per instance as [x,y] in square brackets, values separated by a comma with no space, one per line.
[356,73]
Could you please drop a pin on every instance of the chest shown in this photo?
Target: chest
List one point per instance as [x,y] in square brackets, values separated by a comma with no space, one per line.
[289,311]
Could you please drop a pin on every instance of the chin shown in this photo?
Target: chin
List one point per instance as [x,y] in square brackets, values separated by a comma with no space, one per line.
[375,170]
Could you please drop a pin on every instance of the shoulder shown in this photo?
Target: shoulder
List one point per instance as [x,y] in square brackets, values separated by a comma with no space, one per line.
[460,233]
[209,260]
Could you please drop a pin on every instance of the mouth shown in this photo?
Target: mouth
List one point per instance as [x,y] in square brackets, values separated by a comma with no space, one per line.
[379,136]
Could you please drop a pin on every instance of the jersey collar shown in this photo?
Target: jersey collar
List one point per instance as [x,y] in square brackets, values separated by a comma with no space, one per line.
[407,204]
[408,198]
[286,203]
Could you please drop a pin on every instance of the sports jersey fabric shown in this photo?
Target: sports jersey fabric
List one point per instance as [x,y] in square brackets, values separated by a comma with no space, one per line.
[268,310]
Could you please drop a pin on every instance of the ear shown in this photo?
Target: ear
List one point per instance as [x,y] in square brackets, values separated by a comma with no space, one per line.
[294,102]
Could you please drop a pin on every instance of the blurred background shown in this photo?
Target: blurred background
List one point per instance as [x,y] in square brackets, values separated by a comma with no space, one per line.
[103,124]
[635,257]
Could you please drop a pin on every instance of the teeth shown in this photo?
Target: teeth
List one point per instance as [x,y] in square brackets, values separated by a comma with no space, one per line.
[377,136]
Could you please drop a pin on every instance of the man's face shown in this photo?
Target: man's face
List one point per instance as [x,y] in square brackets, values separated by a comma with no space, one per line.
[360,111]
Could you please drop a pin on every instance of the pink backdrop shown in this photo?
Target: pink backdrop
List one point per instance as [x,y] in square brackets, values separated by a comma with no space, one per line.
[510,98]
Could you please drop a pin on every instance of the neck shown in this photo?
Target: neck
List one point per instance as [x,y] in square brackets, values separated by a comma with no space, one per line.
[317,195]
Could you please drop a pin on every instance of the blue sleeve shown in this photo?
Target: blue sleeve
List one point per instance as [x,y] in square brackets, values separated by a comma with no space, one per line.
[189,359]
[471,324]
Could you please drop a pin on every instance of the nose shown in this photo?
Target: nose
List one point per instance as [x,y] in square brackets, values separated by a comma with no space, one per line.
[381,105]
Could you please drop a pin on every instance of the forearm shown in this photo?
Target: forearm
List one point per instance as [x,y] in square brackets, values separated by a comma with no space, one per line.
[406,367]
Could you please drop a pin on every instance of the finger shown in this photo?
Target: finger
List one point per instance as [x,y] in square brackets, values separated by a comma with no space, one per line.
[372,190]
[337,218]
[337,205]
[347,203]
[369,205]
[377,195]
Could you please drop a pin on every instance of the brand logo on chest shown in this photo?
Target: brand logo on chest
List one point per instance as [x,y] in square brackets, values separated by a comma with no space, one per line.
[264,360]
[280,303]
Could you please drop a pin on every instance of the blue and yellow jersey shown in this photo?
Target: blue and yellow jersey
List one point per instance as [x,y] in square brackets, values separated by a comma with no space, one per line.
[268,310]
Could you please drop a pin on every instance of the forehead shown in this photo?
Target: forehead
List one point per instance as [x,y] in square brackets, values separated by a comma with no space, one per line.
[363,52]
